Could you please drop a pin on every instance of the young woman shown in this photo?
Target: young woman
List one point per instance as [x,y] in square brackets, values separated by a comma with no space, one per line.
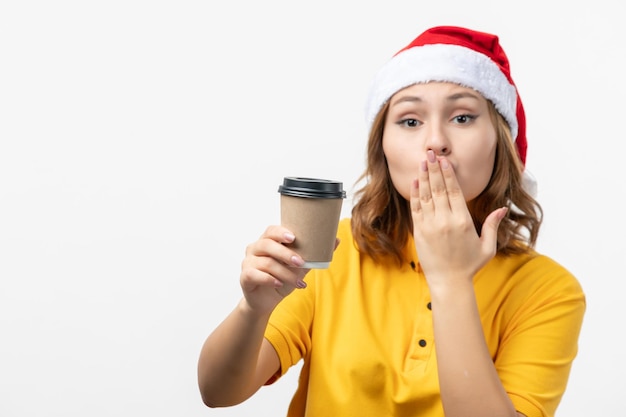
[436,302]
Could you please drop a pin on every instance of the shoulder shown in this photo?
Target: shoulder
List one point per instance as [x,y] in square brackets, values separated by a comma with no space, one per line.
[546,270]
[344,229]
[347,246]
[532,274]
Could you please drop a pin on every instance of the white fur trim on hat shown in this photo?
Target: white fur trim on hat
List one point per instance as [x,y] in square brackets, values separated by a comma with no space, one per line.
[447,63]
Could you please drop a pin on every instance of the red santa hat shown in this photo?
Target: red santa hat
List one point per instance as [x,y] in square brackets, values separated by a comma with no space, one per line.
[466,57]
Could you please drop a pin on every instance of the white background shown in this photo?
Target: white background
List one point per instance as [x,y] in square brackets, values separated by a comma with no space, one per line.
[142,144]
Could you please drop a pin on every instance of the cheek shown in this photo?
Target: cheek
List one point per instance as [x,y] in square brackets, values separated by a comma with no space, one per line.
[403,166]
[475,174]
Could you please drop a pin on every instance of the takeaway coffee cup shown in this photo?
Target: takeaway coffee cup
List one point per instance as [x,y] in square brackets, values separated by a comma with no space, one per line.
[310,208]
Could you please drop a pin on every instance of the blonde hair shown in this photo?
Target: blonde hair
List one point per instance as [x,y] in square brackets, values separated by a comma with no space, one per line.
[381,217]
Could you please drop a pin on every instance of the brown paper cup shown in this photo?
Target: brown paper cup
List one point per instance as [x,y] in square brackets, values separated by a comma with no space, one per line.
[311,208]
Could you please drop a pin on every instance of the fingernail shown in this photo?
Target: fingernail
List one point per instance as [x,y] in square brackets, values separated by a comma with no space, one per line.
[444,164]
[297,261]
[300,284]
[431,156]
[289,237]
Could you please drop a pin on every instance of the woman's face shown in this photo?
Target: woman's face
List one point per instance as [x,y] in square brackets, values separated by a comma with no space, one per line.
[451,120]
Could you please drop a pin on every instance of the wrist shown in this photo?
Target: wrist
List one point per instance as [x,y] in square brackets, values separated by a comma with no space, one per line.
[451,291]
[250,313]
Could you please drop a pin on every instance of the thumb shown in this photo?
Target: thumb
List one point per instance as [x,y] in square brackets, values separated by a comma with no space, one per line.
[489,232]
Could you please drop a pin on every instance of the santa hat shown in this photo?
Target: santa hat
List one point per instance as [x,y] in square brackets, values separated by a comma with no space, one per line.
[461,56]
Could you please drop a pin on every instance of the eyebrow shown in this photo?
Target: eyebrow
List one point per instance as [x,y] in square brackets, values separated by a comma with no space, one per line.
[452,97]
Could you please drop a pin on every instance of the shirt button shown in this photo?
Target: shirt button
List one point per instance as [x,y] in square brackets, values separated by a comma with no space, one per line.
[422,343]
[429,306]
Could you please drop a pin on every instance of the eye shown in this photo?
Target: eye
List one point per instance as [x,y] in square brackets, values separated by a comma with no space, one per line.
[408,122]
[464,118]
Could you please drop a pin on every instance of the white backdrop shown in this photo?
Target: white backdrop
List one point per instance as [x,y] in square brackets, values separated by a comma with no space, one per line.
[142,144]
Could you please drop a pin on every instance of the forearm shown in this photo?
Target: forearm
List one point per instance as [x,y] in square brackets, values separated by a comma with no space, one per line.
[229,358]
[468,380]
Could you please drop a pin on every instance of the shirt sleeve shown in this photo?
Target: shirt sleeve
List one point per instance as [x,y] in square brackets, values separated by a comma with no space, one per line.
[289,327]
[541,341]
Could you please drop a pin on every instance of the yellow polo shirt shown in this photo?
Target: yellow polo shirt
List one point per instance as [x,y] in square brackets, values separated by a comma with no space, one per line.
[365,333]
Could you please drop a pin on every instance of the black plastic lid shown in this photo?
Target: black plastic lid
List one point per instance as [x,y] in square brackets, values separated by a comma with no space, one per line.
[311,188]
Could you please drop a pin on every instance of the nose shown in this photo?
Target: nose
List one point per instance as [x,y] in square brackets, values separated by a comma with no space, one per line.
[437,140]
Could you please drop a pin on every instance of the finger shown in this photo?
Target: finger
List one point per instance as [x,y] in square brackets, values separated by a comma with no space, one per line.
[266,271]
[437,182]
[416,207]
[252,278]
[489,232]
[456,200]
[276,259]
[279,234]
[424,193]
[273,244]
